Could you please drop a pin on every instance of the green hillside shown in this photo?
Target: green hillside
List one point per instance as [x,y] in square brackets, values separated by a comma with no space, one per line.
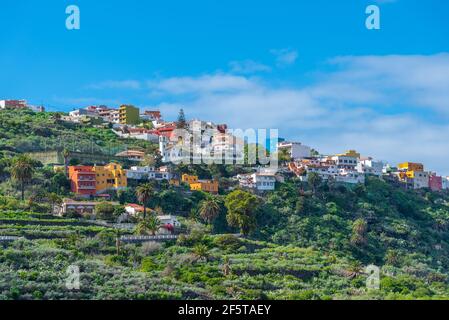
[27,131]
[303,241]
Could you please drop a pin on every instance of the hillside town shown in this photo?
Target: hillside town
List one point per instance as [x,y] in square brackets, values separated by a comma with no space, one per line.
[91,183]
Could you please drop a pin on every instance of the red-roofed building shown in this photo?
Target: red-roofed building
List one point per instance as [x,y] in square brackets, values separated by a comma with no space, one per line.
[153,115]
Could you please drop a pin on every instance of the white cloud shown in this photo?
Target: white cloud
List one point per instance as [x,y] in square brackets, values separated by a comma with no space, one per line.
[248,67]
[203,84]
[416,80]
[285,57]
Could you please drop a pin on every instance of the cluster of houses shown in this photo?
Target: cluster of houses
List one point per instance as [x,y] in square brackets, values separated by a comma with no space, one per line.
[201,142]
[352,168]
[19,105]
[127,121]
[205,141]
[347,167]
[413,176]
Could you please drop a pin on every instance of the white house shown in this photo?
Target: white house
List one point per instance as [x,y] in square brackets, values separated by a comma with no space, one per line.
[259,181]
[324,171]
[369,166]
[296,150]
[264,181]
[350,176]
[169,220]
[421,180]
[147,173]
[347,160]
[446,183]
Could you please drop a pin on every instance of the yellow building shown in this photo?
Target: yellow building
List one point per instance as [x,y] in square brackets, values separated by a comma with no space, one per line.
[411,166]
[129,114]
[409,169]
[189,179]
[111,176]
[200,185]
[210,186]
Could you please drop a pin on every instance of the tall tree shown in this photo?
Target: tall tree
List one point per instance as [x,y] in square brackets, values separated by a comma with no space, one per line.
[241,207]
[22,171]
[359,232]
[181,123]
[144,193]
[209,209]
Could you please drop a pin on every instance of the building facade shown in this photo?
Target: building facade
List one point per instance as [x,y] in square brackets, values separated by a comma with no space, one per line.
[347,160]
[13,104]
[435,182]
[210,186]
[148,173]
[80,207]
[445,183]
[296,150]
[370,167]
[129,114]
[110,177]
[92,180]
[83,180]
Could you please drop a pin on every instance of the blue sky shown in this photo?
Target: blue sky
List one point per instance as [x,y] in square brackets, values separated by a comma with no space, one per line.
[308,68]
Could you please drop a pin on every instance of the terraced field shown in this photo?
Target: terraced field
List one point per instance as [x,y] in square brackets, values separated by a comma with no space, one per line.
[43,226]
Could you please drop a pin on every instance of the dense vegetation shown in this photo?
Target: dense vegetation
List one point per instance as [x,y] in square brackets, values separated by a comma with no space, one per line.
[302,241]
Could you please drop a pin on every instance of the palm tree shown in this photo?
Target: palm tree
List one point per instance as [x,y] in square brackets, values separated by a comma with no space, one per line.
[144,193]
[209,210]
[54,200]
[200,251]
[150,225]
[354,269]
[22,171]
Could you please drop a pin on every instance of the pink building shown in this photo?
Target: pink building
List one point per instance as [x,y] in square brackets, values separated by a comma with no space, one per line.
[435,183]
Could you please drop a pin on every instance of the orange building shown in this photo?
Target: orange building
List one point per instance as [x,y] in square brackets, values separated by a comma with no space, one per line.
[91,180]
[82,180]
[410,169]
[411,166]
